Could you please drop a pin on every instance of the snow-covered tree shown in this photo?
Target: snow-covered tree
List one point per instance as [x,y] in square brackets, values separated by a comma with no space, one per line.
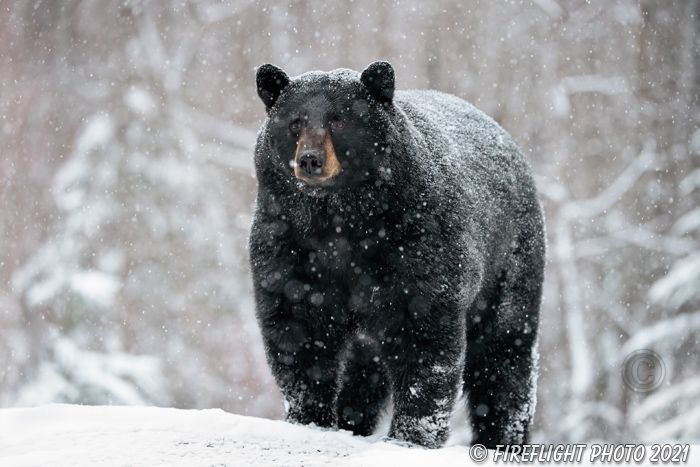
[139,293]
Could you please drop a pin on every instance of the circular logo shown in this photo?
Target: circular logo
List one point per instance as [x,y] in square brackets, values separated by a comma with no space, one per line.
[478,453]
[643,371]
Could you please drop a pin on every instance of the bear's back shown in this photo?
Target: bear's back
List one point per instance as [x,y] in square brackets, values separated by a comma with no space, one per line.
[456,129]
[462,148]
[476,173]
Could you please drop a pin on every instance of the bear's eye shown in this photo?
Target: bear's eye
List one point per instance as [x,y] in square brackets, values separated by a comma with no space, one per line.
[295,126]
[337,122]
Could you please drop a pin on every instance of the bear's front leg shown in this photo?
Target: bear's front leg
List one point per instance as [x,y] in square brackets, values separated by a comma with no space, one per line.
[423,347]
[303,348]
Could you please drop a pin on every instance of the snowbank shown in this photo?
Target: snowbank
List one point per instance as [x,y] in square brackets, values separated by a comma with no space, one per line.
[68,435]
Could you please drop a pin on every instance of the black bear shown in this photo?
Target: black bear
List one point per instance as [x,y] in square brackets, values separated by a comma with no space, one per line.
[397,253]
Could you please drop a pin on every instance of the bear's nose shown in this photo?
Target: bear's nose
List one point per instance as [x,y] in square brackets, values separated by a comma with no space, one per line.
[310,162]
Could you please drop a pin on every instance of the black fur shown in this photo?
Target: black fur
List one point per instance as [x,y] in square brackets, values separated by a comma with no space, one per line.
[416,272]
[270,82]
[378,78]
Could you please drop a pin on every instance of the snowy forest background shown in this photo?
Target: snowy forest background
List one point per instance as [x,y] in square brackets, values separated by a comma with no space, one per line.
[126,189]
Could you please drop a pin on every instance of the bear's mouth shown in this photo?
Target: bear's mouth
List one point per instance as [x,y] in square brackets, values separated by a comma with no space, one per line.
[315,191]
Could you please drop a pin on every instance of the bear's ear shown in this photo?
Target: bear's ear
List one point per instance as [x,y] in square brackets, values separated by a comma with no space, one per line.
[378,77]
[271,81]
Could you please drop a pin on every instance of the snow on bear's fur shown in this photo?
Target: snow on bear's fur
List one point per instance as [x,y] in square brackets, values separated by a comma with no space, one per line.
[397,253]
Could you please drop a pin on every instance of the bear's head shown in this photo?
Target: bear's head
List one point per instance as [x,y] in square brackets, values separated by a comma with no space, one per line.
[328,130]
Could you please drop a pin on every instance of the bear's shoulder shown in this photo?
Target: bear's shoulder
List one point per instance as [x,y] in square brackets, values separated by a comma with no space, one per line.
[448,126]
[444,110]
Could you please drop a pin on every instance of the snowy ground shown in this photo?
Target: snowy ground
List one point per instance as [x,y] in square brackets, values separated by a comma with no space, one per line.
[66,435]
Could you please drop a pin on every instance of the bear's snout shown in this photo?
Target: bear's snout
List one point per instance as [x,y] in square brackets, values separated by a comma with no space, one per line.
[315,160]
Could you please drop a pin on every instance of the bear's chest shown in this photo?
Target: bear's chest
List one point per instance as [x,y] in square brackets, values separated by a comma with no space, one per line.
[346,260]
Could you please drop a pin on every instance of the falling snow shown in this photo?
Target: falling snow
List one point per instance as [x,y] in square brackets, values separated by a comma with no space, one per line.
[127,187]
